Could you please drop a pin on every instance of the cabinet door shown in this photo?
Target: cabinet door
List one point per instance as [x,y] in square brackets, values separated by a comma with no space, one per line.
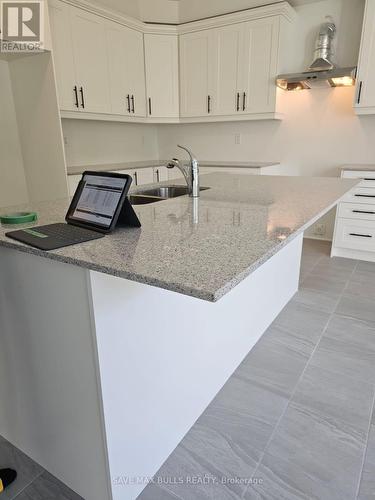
[73,181]
[126,70]
[161,55]
[143,176]
[365,95]
[228,46]
[62,47]
[197,72]
[259,66]
[161,174]
[91,61]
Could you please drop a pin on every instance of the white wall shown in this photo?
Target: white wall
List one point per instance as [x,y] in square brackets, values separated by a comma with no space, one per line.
[320,131]
[94,142]
[13,188]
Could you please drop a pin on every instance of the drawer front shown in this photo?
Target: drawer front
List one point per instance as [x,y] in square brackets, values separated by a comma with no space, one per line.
[356,211]
[367,177]
[355,234]
[360,195]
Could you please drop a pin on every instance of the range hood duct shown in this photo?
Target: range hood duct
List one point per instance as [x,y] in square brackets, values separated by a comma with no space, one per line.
[322,72]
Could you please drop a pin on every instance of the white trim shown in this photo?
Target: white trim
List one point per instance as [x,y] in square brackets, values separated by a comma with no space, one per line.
[82,115]
[353,254]
[282,9]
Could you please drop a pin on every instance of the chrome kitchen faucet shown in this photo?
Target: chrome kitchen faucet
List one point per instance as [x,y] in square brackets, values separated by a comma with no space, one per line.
[190,172]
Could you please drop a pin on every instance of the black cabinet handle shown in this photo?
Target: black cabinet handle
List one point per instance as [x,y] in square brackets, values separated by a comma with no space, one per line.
[136,178]
[157,175]
[133,104]
[82,98]
[208,104]
[128,99]
[76,96]
[359,92]
[244,102]
[149,106]
[361,235]
[369,179]
[238,102]
[363,212]
[365,195]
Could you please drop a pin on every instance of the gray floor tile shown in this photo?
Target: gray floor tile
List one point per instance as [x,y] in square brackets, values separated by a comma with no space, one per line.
[357,306]
[309,458]
[336,267]
[299,341]
[189,474]
[47,487]
[302,320]
[367,484]
[336,399]
[320,300]
[27,469]
[157,492]
[348,348]
[276,364]
[227,441]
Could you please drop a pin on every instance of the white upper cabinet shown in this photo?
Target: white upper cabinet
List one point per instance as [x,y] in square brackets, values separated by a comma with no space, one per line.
[365,95]
[161,62]
[63,55]
[216,69]
[197,73]
[126,70]
[259,65]
[227,54]
[242,61]
[91,61]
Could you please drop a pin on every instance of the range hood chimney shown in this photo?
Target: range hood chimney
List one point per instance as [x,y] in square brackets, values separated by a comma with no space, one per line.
[322,71]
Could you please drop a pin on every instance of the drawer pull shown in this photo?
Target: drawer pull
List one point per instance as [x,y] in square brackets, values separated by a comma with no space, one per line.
[368,179]
[365,195]
[361,235]
[362,212]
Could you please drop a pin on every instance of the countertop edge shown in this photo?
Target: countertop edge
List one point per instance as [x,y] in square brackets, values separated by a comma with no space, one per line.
[77,170]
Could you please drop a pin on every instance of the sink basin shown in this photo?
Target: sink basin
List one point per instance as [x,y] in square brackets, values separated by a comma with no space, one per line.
[159,194]
[138,199]
[166,192]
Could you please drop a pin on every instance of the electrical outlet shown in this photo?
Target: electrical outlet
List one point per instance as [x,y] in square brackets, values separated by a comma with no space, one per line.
[320,229]
[237,138]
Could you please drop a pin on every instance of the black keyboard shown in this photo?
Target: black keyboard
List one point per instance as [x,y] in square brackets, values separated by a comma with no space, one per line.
[53,236]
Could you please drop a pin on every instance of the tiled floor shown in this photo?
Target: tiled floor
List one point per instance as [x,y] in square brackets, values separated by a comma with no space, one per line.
[296,419]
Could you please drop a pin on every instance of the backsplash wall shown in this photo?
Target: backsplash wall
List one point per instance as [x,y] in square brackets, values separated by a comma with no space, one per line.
[93,142]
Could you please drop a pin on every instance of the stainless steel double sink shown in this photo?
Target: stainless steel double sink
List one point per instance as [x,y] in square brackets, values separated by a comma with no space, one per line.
[159,194]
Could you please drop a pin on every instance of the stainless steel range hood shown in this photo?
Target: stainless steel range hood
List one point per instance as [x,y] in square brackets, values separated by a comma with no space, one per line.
[322,71]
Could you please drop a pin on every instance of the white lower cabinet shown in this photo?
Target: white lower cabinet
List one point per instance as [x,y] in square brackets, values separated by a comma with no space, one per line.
[354,235]
[160,174]
[140,176]
[73,181]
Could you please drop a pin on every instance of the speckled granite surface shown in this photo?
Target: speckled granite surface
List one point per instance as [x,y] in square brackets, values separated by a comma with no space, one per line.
[206,248]
[74,170]
[364,167]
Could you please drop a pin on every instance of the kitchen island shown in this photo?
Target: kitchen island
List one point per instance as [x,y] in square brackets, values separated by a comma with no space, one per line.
[110,350]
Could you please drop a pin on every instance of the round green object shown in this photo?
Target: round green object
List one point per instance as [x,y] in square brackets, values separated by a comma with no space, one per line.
[19,218]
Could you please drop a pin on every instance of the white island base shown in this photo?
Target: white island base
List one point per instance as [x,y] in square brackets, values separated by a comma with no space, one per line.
[101,377]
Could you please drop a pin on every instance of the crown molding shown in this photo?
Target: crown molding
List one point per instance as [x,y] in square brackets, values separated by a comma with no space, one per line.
[282,9]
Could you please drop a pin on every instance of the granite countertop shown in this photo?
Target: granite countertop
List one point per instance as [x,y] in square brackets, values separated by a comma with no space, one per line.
[361,167]
[201,248]
[76,170]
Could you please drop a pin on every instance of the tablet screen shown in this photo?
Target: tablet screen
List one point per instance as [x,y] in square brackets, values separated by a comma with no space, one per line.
[98,200]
